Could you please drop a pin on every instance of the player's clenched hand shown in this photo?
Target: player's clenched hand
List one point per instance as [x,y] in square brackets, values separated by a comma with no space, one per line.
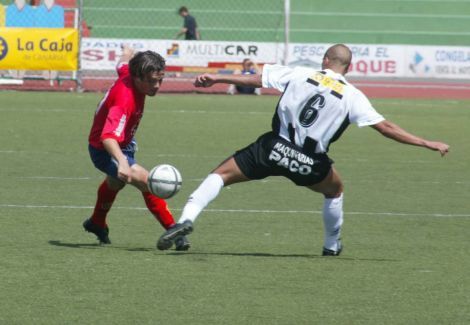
[127,53]
[124,171]
[443,148]
[205,80]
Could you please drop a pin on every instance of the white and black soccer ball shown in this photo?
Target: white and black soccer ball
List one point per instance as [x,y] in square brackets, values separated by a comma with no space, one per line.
[164,181]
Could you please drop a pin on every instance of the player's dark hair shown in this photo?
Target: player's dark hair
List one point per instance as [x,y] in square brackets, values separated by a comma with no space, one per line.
[146,62]
[182,9]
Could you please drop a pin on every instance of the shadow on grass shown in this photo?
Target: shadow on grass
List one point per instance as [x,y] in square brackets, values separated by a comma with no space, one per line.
[72,245]
[254,254]
[340,258]
[97,245]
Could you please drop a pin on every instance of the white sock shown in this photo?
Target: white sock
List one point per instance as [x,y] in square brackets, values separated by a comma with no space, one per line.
[332,219]
[205,193]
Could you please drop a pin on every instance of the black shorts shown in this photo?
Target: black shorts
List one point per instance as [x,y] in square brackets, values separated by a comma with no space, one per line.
[272,155]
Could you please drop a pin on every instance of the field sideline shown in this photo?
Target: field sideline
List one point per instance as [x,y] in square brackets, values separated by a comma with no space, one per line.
[255,256]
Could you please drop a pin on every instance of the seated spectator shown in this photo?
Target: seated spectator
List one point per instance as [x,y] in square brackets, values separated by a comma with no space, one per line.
[248,67]
[2,15]
[49,15]
[19,14]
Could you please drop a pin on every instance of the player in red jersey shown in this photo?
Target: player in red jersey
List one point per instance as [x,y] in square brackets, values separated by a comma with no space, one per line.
[112,145]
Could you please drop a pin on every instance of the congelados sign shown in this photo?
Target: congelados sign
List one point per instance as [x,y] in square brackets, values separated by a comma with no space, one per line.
[39,49]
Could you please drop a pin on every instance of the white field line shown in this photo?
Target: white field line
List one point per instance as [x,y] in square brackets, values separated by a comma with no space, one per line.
[269,111]
[182,111]
[161,155]
[59,178]
[427,86]
[272,180]
[56,178]
[165,155]
[400,214]
[379,103]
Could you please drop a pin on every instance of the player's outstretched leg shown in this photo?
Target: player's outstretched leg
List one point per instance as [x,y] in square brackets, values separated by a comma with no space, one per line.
[157,206]
[106,195]
[226,174]
[332,188]
[175,234]
[206,192]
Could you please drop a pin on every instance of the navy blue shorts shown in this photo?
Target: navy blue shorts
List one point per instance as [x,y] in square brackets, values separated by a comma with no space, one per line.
[107,164]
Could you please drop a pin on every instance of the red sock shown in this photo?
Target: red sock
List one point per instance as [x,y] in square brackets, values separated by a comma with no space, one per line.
[103,204]
[159,209]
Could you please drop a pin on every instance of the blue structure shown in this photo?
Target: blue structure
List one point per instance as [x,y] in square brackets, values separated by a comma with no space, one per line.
[19,18]
[53,18]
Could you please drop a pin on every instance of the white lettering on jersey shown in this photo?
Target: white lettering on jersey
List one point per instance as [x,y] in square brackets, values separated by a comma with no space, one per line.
[289,152]
[120,128]
[291,159]
[291,165]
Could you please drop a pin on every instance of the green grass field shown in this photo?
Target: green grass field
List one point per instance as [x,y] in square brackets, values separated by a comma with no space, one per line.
[406,231]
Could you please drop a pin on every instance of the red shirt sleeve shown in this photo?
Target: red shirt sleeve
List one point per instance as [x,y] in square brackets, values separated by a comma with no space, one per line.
[115,124]
[122,69]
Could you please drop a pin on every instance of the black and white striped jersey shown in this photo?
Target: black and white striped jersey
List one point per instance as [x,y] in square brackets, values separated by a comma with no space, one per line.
[316,106]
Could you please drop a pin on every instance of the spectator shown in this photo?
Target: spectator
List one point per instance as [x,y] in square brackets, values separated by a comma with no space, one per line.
[189,29]
[248,67]
[49,15]
[19,14]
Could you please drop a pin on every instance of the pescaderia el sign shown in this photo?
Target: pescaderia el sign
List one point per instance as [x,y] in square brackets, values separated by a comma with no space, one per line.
[369,60]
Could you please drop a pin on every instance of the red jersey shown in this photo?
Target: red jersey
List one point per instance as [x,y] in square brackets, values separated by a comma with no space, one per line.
[119,112]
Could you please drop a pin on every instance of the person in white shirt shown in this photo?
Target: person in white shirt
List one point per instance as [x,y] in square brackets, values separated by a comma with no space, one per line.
[314,110]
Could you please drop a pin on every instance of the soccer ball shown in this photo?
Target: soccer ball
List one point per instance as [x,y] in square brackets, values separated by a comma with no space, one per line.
[164,181]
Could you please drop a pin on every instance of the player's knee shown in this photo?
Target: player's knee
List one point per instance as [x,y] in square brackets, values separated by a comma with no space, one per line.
[114,183]
[335,191]
[139,173]
[139,177]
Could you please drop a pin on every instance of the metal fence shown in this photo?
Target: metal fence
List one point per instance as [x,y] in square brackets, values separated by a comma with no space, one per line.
[106,24]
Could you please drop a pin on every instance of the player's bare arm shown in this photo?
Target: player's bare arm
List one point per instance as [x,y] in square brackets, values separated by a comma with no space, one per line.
[127,54]
[393,131]
[181,32]
[124,171]
[247,80]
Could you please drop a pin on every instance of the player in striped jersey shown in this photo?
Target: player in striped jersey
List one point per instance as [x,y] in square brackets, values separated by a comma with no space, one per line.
[314,110]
